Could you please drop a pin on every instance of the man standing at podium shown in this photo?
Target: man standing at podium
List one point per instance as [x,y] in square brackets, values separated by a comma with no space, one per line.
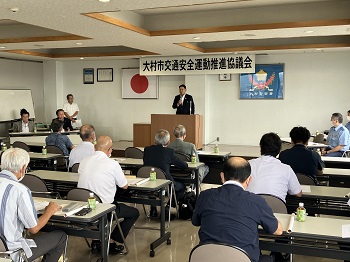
[183,103]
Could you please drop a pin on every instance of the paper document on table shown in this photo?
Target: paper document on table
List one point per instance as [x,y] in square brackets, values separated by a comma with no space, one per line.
[204,152]
[306,189]
[291,223]
[137,181]
[40,205]
[119,159]
[345,231]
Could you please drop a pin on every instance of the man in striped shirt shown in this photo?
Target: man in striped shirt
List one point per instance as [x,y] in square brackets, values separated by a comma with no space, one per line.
[17,211]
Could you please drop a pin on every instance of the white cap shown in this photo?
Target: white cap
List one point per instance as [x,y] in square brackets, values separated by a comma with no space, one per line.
[301,204]
[91,194]
[152,169]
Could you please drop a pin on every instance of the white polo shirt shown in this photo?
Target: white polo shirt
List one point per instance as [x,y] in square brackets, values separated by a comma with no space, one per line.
[70,109]
[101,174]
[270,176]
[80,152]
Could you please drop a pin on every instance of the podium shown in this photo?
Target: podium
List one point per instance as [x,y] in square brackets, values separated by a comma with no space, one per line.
[192,123]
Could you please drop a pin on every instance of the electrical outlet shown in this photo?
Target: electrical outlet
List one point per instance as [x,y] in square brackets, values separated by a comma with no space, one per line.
[217,139]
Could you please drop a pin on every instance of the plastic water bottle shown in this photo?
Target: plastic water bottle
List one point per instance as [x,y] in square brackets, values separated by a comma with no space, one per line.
[193,159]
[3,147]
[92,201]
[216,149]
[152,175]
[35,128]
[44,150]
[301,213]
[318,151]
[317,132]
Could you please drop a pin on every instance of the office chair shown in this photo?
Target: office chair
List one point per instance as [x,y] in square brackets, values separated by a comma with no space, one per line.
[6,253]
[213,252]
[133,152]
[82,194]
[306,180]
[62,161]
[75,168]
[38,187]
[277,205]
[20,144]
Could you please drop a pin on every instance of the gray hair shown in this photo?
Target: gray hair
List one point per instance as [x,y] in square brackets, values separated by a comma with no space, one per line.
[179,131]
[162,137]
[337,116]
[14,159]
[86,132]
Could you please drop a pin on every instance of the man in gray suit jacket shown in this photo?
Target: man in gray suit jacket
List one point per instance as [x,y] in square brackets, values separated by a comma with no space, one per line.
[24,125]
[187,149]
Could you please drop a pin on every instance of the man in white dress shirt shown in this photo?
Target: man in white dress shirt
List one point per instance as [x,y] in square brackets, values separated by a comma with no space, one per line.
[102,175]
[71,109]
[86,148]
[269,175]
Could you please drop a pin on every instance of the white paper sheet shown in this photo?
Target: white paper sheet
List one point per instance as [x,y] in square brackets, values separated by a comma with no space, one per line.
[137,181]
[345,231]
[306,188]
[291,223]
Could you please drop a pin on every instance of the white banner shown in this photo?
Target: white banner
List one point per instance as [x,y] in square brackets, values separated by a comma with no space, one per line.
[197,65]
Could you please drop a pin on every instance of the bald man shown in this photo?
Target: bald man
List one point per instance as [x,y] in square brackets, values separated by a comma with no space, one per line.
[231,215]
[86,147]
[102,175]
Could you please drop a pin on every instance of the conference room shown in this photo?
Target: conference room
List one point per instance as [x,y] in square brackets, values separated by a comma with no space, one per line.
[92,49]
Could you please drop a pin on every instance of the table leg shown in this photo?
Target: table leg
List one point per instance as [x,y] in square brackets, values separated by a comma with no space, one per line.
[163,236]
[104,237]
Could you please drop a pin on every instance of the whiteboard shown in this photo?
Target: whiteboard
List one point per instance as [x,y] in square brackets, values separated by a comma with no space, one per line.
[12,101]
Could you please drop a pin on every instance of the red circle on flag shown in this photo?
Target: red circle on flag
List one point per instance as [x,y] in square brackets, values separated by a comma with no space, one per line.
[139,84]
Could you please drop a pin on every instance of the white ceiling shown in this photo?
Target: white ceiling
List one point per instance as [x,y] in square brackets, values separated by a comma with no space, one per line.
[46,18]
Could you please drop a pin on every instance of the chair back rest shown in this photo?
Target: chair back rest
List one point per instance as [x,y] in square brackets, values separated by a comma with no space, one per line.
[20,144]
[3,246]
[319,138]
[183,157]
[277,205]
[61,161]
[75,168]
[133,152]
[145,170]
[81,194]
[54,150]
[34,183]
[213,252]
[306,180]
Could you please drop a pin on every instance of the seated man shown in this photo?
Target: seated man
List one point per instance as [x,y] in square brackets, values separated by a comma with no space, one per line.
[86,148]
[338,139]
[57,139]
[159,155]
[67,124]
[231,215]
[348,123]
[24,125]
[102,175]
[17,212]
[300,158]
[269,175]
[187,149]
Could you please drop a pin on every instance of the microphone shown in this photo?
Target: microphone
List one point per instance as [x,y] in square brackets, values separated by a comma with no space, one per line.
[216,140]
[190,106]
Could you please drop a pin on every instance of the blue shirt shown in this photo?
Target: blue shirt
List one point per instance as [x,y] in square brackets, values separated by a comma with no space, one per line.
[339,136]
[302,160]
[17,212]
[348,126]
[231,215]
[59,140]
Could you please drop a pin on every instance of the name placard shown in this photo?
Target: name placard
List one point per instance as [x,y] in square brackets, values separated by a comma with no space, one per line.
[196,65]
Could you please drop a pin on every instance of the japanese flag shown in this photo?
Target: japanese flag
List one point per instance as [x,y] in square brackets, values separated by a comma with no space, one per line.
[135,85]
